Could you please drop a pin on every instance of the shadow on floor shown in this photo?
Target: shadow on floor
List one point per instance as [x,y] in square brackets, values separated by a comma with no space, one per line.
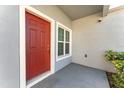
[75,76]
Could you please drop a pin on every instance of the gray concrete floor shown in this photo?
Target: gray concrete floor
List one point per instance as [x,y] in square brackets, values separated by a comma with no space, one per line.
[75,76]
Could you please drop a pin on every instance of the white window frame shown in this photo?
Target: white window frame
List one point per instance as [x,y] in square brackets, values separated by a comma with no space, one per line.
[58,58]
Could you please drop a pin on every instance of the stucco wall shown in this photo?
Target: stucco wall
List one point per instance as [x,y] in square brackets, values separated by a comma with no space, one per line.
[93,38]
[9,46]
[55,13]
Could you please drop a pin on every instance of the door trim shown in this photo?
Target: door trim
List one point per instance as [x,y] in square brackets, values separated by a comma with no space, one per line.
[22,43]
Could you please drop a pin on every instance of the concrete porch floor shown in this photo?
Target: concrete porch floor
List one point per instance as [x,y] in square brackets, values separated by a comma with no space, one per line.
[75,76]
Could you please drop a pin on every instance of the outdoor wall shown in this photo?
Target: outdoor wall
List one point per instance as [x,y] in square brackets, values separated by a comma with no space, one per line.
[9,46]
[55,13]
[93,38]
[62,63]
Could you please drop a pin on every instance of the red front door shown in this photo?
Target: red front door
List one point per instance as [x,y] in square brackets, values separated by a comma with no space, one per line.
[37,46]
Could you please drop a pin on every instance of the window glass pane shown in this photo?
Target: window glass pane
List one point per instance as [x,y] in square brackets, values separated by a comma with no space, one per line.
[60,49]
[66,48]
[60,34]
[67,36]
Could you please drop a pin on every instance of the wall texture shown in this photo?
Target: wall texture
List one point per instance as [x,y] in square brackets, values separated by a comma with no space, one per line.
[93,38]
[55,13]
[62,63]
[9,46]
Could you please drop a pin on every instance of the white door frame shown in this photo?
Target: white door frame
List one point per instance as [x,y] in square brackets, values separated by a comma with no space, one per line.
[33,11]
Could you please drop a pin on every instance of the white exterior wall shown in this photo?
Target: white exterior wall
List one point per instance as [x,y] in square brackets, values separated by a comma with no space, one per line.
[93,38]
[9,46]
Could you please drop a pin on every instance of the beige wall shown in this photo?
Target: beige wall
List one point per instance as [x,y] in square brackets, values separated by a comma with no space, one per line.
[93,38]
[55,13]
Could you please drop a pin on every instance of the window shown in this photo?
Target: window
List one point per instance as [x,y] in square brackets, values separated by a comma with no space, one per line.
[67,42]
[63,42]
[60,41]
[60,34]
[60,49]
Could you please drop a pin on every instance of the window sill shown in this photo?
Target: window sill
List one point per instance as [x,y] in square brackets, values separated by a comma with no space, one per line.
[63,57]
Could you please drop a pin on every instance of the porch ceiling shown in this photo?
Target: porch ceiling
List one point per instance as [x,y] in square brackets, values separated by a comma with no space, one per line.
[79,11]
